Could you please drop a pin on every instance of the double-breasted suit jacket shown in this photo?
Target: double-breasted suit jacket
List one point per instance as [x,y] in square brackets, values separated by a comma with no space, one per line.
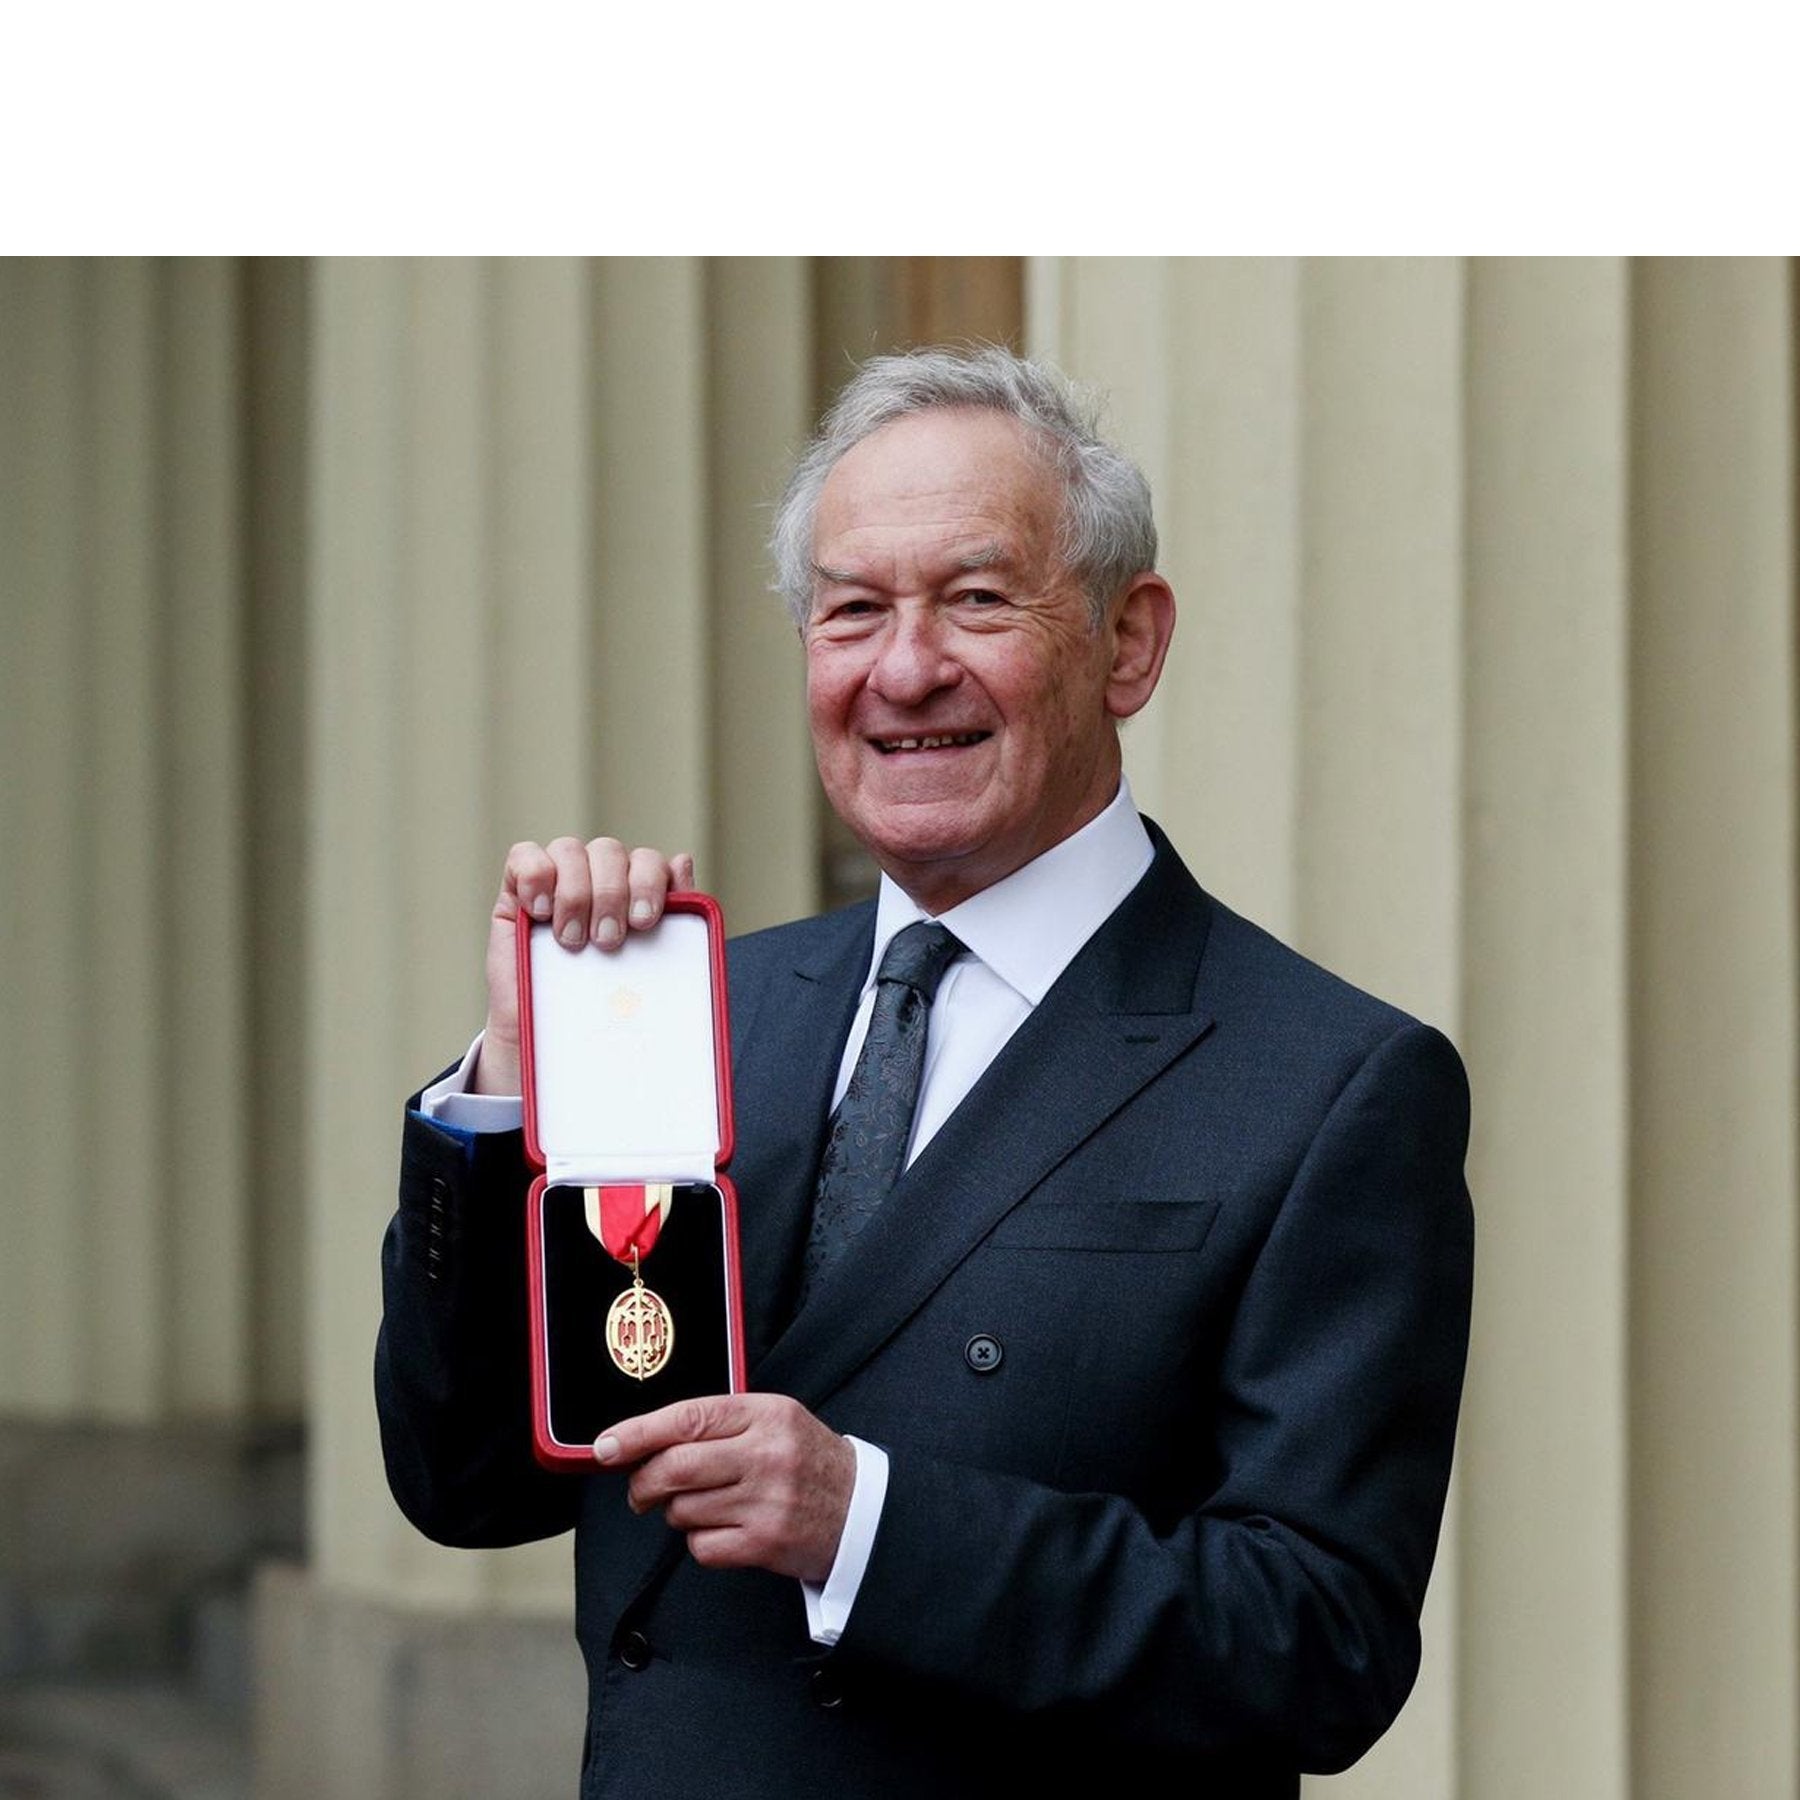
[1163,1333]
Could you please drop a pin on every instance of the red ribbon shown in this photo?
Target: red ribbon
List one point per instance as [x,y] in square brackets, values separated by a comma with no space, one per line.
[630,1218]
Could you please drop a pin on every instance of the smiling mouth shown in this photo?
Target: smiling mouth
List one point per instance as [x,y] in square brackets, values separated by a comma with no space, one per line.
[943,740]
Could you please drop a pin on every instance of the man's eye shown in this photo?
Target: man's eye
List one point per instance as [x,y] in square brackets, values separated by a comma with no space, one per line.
[844,618]
[981,597]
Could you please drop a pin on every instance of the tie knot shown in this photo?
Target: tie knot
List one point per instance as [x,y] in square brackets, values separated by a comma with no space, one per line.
[919,955]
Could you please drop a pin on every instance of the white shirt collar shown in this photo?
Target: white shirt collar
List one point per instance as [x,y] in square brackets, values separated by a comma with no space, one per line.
[1028,927]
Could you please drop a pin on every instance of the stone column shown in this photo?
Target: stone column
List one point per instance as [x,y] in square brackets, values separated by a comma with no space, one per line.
[1712,1267]
[1544,1642]
[125,1288]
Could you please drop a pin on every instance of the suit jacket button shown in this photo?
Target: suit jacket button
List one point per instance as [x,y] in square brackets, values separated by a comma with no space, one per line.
[634,1650]
[826,1691]
[983,1353]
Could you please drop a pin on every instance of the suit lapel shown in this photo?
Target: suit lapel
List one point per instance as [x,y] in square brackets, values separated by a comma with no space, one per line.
[1119,1015]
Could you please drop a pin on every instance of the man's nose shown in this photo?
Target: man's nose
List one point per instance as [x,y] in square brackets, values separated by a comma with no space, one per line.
[914,659]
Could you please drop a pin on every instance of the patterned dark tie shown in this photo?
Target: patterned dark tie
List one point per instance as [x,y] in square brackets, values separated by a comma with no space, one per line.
[865,1148]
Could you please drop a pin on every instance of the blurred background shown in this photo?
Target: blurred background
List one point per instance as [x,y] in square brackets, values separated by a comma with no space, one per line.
[323,581]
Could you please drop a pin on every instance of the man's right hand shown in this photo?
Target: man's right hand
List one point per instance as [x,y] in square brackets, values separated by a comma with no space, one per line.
[591,893]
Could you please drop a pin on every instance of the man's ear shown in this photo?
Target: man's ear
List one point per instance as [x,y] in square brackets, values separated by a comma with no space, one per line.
[1142,623]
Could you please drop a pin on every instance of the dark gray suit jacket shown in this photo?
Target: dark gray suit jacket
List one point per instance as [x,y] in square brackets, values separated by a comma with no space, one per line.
[1208,1203]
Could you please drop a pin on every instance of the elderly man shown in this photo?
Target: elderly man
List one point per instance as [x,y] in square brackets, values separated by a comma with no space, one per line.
[1104,1432]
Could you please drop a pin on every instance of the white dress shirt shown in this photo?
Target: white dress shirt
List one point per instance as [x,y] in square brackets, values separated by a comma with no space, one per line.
[1019,935]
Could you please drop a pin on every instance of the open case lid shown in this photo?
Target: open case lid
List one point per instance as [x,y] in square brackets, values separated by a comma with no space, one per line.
[626,1054]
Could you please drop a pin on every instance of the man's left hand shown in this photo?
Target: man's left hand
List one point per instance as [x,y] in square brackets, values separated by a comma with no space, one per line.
[754,1480]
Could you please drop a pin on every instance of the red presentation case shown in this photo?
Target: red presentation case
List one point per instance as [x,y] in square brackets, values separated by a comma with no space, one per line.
[627,1069]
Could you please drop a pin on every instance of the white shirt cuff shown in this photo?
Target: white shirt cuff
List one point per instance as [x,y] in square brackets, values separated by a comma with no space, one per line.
[449,1102]
[828,1607]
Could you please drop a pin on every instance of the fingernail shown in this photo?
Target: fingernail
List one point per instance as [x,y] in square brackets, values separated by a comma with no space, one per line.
[606,1449]
[571,933]
[540,907]
[642,912]
[609,934]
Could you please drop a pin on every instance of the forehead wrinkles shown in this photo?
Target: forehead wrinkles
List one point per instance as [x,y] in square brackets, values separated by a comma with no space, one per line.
[895,546]
[944,464]
[980,506]
[875,555]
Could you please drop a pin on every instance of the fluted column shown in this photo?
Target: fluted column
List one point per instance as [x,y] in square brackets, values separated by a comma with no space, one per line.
[46,1367]
[1715,1596]
[765,816]
[130,1220]
[1543,1632]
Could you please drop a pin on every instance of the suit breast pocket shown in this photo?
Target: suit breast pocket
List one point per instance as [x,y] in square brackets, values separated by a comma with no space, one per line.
[1116,1225]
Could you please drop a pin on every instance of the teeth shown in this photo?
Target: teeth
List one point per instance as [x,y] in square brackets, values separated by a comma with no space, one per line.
[932,743]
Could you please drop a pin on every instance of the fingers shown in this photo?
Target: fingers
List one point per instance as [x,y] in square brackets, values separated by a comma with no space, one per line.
[695,1482]
[590,892]
[651,876]
[528,881]
[571,891]
[755,1480]
[684,1422]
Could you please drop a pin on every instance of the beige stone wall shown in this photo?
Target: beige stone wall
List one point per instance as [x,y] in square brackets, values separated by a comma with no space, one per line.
[323,581]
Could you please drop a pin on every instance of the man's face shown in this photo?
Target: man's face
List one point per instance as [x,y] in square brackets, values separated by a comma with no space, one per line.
[959,699]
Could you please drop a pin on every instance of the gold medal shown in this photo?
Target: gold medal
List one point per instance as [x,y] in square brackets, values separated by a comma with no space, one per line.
[640,1333]
[628,1219]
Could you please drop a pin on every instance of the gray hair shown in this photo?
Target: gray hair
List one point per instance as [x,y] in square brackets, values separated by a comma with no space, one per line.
[1108,534]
